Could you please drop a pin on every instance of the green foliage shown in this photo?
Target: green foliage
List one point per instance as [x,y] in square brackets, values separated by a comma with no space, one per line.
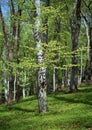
[56,53]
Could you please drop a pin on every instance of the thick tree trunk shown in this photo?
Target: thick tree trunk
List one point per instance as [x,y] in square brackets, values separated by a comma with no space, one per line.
[42,103]
[41,73]
[75,29]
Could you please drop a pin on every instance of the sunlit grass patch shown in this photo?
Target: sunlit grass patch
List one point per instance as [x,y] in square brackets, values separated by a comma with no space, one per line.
[66,112]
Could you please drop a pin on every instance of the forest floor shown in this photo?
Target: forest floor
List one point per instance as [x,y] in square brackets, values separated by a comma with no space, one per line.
[66,112]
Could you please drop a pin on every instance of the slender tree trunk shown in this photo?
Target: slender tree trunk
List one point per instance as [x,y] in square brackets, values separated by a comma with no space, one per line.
[44,40]
[11,85]
[86,71]
[17,55]
[81,69]
[54,80]
[14,98]
[2,95]
[88,38]
[90,33]
[66,77]
[5,74]
[56,37]
[24,92]
[41,74]
[88,67]
[75,29]
[10,54]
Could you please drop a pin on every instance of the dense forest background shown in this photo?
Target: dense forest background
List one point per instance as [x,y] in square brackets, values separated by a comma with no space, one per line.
[45,46]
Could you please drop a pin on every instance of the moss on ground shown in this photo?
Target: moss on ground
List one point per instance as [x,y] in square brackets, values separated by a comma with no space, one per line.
[66,112]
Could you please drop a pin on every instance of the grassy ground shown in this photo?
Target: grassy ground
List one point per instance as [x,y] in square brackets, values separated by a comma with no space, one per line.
[66,112]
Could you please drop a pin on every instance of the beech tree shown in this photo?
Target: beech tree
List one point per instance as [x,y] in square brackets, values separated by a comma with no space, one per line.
[75,30]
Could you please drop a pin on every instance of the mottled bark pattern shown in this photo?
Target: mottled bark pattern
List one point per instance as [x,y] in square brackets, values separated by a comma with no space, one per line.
[42,86]
[41,72]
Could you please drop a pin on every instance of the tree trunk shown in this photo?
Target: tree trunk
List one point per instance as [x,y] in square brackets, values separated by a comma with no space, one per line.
[11,77]
[41,73]
[17,55]
[88,67]
[10,54]
[5,74]
[75,29]
[86,71]
[90,33]
[44,39]
[58,39]
[65,78]
[14,97]
[55,80]
[24,92]
[81,69]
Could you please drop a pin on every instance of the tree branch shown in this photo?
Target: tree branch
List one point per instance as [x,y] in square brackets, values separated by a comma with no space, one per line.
[88,6]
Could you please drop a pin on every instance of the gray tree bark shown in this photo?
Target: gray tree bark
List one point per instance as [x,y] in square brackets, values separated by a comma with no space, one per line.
[88,25]
[75,30]
[41,73]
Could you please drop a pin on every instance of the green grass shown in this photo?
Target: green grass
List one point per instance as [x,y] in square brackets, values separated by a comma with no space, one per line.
[66,112]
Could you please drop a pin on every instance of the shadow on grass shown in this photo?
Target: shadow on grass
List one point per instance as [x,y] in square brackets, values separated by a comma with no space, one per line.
[28,99]
[21,109]
[74,101]
[84,96]
[18,109]
[3,110]
[86,90]
[12,107]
